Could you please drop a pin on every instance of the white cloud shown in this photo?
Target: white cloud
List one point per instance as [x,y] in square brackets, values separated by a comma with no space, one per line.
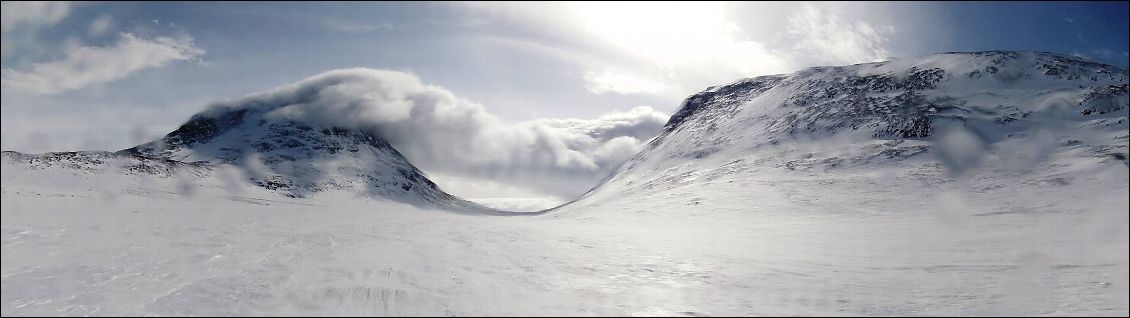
[32,13]
[101,25]
[84,66]
[822,34]
[612,82]
[673,49]
[445,134]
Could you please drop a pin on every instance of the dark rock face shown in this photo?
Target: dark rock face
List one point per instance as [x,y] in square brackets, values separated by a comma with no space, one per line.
[92,161]
[202,128]
[892,105]
[721,100]
[1104,99]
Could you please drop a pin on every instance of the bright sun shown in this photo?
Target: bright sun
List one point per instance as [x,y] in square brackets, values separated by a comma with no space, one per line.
[662,30]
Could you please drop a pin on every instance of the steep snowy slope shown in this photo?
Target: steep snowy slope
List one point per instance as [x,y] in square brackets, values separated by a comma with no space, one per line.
[1000,112]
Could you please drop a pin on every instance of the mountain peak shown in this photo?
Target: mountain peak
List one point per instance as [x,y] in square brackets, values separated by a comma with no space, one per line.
[902,81]
[892,111]
[298,159]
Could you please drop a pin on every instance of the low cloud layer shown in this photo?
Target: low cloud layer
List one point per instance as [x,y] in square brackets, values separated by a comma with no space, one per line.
[84,66]
[445,134]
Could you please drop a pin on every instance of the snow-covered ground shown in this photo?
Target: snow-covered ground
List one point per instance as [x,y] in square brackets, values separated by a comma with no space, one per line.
[727,242]
[957,184]
[893,242]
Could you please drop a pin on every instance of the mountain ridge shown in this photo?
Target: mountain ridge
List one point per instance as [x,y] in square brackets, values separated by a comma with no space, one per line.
[891,111]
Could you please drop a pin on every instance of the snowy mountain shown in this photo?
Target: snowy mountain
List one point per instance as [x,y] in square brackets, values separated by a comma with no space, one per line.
[298,159]
[952,184]
[991,110]
[287,157]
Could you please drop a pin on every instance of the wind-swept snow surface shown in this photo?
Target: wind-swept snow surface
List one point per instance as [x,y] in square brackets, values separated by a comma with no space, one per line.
[990,183]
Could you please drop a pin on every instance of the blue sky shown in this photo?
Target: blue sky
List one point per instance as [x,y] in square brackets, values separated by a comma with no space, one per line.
[106,76]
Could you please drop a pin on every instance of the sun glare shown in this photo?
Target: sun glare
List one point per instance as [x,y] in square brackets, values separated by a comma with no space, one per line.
[660,30]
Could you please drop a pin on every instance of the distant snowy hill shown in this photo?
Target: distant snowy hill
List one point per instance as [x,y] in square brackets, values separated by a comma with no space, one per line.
[103,161]
[1001,111]
[287,157]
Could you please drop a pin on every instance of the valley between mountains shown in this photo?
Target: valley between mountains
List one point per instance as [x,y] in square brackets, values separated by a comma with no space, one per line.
[985,183]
